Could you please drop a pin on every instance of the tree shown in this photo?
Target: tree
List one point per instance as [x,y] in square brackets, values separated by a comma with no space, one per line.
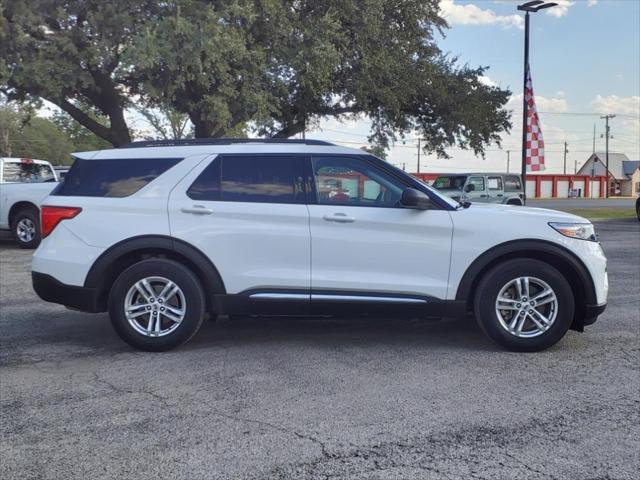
[276,66]
[82,139]
[376,150]
[22,134]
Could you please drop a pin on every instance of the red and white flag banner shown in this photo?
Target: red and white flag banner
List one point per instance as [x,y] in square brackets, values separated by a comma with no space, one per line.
[535,142]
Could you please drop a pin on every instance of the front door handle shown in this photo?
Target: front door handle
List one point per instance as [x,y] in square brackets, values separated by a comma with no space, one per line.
[197,210]
[339,218]
[484,195]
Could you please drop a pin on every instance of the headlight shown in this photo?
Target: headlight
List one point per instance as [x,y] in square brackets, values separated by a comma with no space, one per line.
[582,231]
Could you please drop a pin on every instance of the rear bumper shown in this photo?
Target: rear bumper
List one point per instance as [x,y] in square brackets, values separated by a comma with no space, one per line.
[52,290]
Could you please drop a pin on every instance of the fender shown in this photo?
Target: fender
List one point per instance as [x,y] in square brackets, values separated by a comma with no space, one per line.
[105,269]
[539,249]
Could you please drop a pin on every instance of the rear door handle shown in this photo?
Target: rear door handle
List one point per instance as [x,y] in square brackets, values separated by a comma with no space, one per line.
[339,218]
[197,210]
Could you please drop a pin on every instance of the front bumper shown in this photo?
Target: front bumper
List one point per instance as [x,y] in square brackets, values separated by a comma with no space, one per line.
[52,290]
[592,312]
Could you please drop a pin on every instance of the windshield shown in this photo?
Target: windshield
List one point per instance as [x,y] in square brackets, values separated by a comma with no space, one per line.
[450,182]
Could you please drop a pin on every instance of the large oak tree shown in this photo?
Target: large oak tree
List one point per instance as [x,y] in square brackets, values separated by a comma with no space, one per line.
[275,66]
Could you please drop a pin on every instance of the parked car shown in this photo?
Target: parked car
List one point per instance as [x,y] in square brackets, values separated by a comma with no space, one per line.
[24,183]
[160,233]
[502,188]
[61,171]
[638,207]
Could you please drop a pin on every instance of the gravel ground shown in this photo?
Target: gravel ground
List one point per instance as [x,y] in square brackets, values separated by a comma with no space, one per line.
[307,398]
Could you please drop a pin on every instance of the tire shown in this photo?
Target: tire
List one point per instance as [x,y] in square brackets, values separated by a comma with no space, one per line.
[514,202]
[167,333]
[25,227]
[531,337]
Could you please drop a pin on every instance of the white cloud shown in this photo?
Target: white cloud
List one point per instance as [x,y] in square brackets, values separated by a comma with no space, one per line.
[615,104]
[485,80]
[544,104]
[620,76]
[591,3]
[470,14]
[561,9]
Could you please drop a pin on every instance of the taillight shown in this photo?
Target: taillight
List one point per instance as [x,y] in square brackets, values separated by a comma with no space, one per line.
[52,216]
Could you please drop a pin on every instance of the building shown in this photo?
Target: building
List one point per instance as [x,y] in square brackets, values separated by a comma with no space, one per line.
[635,181]
[621,171]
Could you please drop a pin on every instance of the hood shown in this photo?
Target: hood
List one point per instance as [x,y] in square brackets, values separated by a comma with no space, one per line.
[534,213]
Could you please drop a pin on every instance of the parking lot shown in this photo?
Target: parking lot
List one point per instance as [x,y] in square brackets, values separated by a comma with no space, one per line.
[319,398]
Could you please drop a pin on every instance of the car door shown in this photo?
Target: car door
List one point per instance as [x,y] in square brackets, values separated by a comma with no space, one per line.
[495,188]
[478,193]
[364,245]
[248,214]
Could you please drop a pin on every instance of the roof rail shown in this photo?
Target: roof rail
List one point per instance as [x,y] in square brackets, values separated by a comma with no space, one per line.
[220,141]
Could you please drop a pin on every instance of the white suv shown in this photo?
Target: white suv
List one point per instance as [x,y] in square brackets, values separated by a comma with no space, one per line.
[161,233]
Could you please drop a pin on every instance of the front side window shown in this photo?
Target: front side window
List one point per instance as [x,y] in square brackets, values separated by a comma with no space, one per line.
[251,178]
[353,181]
[27,172]
[495,183]
[115,178]
[450,182]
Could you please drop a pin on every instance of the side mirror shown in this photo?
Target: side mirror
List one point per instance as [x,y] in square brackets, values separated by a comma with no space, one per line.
[470,188]
[412,198]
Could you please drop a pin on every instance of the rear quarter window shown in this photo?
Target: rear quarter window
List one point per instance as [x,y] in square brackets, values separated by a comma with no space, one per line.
[113,177]
[512,184]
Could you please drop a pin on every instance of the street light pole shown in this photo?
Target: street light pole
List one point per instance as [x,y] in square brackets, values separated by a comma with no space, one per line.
[532,6]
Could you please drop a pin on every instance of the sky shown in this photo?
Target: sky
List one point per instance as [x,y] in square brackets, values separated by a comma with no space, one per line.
[585,61]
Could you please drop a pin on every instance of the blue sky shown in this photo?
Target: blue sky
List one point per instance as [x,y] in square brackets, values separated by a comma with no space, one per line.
[585,58]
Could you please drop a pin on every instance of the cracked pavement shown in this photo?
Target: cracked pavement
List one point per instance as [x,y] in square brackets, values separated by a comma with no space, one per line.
[354,398]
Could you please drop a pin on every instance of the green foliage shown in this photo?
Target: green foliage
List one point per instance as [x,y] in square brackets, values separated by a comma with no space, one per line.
[24,135]
[377,150]
[276,66]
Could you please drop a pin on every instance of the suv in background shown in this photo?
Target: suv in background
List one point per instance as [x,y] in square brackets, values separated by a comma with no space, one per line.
[502,188]
[160,233]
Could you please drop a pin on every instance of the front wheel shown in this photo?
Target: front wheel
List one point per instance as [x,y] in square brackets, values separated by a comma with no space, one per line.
[524,305]
[156,305]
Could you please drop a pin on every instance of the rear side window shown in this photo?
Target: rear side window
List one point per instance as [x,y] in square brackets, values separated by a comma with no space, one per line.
[251,178]
[512,184]
[27,172]
[112,178]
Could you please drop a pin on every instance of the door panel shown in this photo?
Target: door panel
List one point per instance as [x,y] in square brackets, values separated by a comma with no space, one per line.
[363,242]
[479,194]
[259,244]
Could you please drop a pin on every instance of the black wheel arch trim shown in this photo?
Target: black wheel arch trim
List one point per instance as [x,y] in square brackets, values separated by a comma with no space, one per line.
[100,272]
[530,249]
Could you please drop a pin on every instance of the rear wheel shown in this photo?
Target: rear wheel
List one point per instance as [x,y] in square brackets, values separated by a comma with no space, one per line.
[26,228]
[524,305]
[156,304]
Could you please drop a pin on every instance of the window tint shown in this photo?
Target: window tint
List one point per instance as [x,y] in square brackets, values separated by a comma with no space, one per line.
[207,185]
[354,181]
[112,178]
[477,182]
[495,183]
[27,172]
[252,178]
[512,184]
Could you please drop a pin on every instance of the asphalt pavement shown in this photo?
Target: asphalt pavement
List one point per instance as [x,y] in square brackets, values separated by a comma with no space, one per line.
[307,398]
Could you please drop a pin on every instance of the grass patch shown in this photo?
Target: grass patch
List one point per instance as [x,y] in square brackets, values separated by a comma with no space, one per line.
[603,213]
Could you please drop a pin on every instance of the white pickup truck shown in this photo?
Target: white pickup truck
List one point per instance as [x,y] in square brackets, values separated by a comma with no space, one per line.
[24,183]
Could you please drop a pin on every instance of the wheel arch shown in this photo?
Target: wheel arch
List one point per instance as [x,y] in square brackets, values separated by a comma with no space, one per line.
[18,207]
[559,257]
[122,255]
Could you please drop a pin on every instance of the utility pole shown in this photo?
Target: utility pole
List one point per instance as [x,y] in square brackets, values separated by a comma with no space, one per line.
[565,157]
[594,138]
[418,155]
[508,159]
[607,135]
[575,167]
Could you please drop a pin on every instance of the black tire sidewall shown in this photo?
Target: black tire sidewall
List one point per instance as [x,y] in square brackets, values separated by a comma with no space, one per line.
[496,278]
[34,217]
[181,276]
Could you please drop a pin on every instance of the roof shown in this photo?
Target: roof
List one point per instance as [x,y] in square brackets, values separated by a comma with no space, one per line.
[615,165]
[630,166]
[162,150]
